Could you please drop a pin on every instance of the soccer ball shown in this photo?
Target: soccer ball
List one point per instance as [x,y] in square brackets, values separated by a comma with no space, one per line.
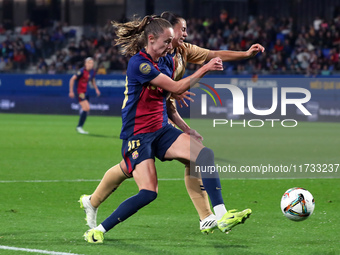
[297,204]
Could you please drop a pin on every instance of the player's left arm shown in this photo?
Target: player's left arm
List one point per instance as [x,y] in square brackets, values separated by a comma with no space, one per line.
[176,118]
[95,86]
[181,98]
[229,55]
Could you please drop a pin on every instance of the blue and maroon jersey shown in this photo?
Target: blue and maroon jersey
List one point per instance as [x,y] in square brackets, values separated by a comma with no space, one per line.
[144,106]
[83,77]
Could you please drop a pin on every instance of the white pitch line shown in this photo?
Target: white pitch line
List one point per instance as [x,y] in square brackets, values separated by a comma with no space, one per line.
[161,179]
[3,247]
[76,180]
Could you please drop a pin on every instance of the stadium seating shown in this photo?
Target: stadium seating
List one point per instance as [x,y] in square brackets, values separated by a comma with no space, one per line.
[64,48]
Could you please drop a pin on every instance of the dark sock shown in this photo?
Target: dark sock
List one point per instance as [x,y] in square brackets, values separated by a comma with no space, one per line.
[129,207]
[210,179]
[82,118]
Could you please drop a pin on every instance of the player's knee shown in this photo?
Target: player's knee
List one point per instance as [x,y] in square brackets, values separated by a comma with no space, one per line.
[205,155]
[147,195]
[85,108]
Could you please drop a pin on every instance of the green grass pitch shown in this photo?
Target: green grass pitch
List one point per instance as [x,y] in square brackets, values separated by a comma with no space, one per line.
[46,215]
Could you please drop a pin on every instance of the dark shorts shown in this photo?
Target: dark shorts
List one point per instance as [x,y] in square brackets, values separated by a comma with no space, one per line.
[149,145]
[83,97]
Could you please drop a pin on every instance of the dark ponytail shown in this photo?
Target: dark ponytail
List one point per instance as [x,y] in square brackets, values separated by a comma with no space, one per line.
[171,17]
[133,35]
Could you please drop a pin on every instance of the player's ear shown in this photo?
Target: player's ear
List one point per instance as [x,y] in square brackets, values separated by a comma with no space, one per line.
[151,38]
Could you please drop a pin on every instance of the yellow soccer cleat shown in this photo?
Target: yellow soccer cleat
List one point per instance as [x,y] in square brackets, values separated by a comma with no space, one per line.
[232,218]
[94,236]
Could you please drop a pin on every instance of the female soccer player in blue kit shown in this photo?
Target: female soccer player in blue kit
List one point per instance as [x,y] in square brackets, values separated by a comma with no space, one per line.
[146,132]
[82,78]
[182,53]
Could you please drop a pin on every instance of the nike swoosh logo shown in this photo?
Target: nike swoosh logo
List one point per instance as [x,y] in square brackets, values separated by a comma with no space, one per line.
[94,239]
[231,217]
[218,188]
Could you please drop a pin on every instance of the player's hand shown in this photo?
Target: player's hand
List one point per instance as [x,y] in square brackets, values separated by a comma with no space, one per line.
[97,92]
[71,94]
[195,134]
[254,49]
[180,98]
[215,64]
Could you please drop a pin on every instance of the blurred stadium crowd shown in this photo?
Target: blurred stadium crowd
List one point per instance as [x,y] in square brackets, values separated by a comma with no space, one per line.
[308,50]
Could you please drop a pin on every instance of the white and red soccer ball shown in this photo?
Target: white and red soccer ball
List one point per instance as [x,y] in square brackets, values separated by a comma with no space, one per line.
[297,204]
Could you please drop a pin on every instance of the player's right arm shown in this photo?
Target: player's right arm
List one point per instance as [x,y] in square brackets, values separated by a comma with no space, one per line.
[71,86]
[198,55]
[229,55]
[179,87]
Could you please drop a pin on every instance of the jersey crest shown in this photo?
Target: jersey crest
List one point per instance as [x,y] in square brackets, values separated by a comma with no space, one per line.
[145,68]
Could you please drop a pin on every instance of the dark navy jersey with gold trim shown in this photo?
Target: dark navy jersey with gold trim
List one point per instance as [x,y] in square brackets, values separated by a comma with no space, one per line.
[144,106]
[83,78]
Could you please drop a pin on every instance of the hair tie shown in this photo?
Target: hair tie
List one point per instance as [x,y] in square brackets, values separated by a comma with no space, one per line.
[149,20]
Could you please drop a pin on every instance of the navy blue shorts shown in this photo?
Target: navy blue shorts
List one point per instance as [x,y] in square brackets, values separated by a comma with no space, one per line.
[149,145]
[83,97]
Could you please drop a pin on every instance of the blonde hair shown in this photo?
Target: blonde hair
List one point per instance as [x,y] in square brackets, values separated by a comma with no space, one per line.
[133,35]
